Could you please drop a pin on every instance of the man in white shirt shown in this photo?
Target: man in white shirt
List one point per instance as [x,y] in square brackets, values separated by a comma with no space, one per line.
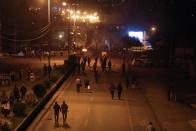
[78,84]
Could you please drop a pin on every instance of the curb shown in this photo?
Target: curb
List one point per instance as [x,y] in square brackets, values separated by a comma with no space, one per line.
[32,115]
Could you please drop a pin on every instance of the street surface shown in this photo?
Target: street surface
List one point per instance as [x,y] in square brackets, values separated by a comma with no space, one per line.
[94,110]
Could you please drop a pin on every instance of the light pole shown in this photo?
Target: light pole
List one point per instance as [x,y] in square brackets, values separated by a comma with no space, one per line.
[0,33]
[49,55]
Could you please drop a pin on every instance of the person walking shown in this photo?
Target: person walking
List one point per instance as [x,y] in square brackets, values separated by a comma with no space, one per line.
[3,97]
[150,127]
[56,108]
[45,69]
[95,67]
[11,100]
[83,65]
[127,81]
[23,91]
[109,65]
[16,93]
[123,67]
[78,84]
[89,61]
[96,75]
[112,89]
[86,83]
[64,110]
[119,88]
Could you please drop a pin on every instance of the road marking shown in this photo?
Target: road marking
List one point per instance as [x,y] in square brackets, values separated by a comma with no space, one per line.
[88,110]
[130,117]
[91,99]
[86,123]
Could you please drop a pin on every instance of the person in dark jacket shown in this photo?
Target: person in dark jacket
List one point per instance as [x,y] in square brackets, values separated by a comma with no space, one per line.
[16,93]
[56,108]
[119,88]
[89,61]
[23,91]
[112,89]
[64,110]
[109,65]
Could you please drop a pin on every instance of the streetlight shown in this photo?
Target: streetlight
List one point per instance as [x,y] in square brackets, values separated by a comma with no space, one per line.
[153,29]
[64,3]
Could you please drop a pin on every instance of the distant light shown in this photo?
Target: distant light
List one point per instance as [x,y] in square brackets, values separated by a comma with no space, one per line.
[84,50]
[63,12]
[137,34]
[60,36]
[64,3]
[78,12]
[153,29]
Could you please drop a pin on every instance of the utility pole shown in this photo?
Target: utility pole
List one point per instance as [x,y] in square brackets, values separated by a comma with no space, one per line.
[0,35]
[49,41]
[68,35]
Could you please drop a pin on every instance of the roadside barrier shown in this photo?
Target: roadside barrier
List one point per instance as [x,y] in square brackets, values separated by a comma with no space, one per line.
[31,116]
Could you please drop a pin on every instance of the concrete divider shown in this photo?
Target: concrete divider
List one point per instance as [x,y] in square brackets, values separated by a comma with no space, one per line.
[32,115]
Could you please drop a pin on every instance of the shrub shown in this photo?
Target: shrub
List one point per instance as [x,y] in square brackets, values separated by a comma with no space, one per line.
[54,77]
[19,109]
[5,125]
[47,83]
[31,99]
[39,90]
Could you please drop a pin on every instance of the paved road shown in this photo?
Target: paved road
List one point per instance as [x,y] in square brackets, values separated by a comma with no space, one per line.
[94,110]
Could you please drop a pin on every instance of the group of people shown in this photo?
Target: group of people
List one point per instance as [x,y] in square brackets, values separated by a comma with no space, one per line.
[16,95]
[60,108]
[79,84]
[85,60]
[119,89]
[47,69]
[105,62]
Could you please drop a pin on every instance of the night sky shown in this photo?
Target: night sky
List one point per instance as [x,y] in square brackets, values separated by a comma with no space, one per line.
[173,17]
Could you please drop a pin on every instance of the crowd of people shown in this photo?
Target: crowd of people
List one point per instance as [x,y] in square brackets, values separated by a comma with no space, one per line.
[7,101]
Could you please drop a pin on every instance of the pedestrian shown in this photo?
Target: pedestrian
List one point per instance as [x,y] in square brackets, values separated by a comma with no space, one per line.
[3,97]
[23,91]
[119,88]
[78,84]
[89,61]
[109,65]
[95,67]
[171,94]
[96,75]
[45,69]
[127,81]
[56,108]
[123,67]
[85,60]
[55,66]
[64,110]
[112,89]
[49,68]
[16,93]
[150,127]
[78,68]
[95,59]
[11,100]
[83,65]
[86,83]
[5,109]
